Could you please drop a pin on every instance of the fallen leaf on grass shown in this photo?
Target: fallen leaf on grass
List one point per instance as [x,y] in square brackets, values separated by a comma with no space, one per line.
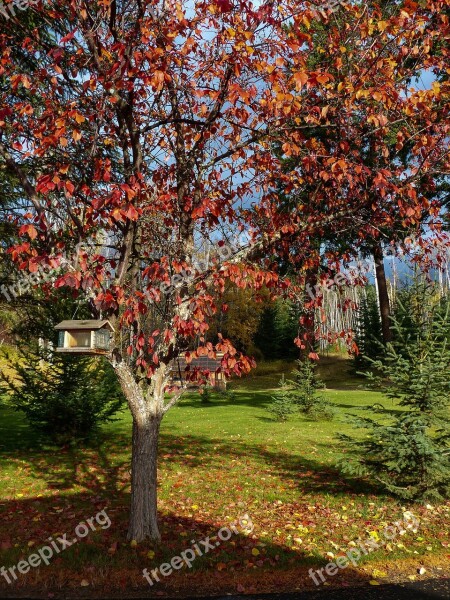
[376,573]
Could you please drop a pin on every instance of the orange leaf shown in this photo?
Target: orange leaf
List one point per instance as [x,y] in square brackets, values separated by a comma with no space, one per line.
[30,230]
[300,79]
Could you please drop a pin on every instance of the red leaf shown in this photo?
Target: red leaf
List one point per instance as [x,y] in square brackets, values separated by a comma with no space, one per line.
[30,230]
[132,213]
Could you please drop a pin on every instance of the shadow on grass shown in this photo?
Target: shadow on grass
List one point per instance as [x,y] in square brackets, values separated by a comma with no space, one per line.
[107,460]
[104,557]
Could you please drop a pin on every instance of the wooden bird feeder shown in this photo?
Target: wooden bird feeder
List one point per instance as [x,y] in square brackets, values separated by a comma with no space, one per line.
[84,337]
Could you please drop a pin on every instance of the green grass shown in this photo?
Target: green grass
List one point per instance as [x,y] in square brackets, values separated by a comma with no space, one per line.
[217,461]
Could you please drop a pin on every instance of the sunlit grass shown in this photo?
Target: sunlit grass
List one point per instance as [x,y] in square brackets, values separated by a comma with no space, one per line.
[216,461]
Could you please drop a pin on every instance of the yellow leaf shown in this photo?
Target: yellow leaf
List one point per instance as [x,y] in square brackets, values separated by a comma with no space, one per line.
[376,573]
[255,552]
[84,583]
[150,554]
[374,582]
[133,543]
[76,135]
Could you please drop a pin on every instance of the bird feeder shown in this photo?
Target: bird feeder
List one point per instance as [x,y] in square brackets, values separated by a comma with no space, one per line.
[84,337]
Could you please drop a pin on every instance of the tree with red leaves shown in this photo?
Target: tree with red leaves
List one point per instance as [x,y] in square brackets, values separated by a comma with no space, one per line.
[144,130]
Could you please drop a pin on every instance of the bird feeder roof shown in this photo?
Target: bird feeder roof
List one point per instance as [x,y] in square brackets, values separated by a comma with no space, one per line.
[84,325]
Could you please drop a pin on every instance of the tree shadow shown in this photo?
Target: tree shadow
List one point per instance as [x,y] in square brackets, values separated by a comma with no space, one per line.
[102,465]
[239,559]
[85,481]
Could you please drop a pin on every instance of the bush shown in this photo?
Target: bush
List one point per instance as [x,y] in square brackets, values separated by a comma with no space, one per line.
[65,397]
[206,394]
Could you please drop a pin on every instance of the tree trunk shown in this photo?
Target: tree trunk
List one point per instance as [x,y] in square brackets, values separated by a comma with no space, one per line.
[147,414]
[383,296]
[308,317]
[143,515]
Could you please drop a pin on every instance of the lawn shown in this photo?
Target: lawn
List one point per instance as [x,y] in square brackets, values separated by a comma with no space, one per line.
[218,461]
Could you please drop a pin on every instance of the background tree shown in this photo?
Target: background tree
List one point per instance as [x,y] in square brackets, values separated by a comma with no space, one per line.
[375,139]
[277,328]
[239,317]
[368,336]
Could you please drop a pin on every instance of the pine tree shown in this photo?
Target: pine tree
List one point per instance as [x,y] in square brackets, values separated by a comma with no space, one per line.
[304,391]
[65,397]
[368,337]
[408,451]
[282,406]
[300,394]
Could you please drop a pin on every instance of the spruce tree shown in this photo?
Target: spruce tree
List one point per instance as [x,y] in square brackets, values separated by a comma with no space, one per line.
[408,450]
[65,397]
[368,336]
[282,406]
[300,394]
[304,391]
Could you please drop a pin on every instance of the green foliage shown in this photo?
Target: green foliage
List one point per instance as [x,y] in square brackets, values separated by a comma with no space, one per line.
[408,451]
[300,395]
[278,327]
[64,397]
[304,389]
[283,405]
[368,337]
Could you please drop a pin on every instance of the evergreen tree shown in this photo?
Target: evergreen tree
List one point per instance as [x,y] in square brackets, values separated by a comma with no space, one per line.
[282,406]
[278,327]
[65,397]
[368,337]
[301,394]
[408,451]
[304,391]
